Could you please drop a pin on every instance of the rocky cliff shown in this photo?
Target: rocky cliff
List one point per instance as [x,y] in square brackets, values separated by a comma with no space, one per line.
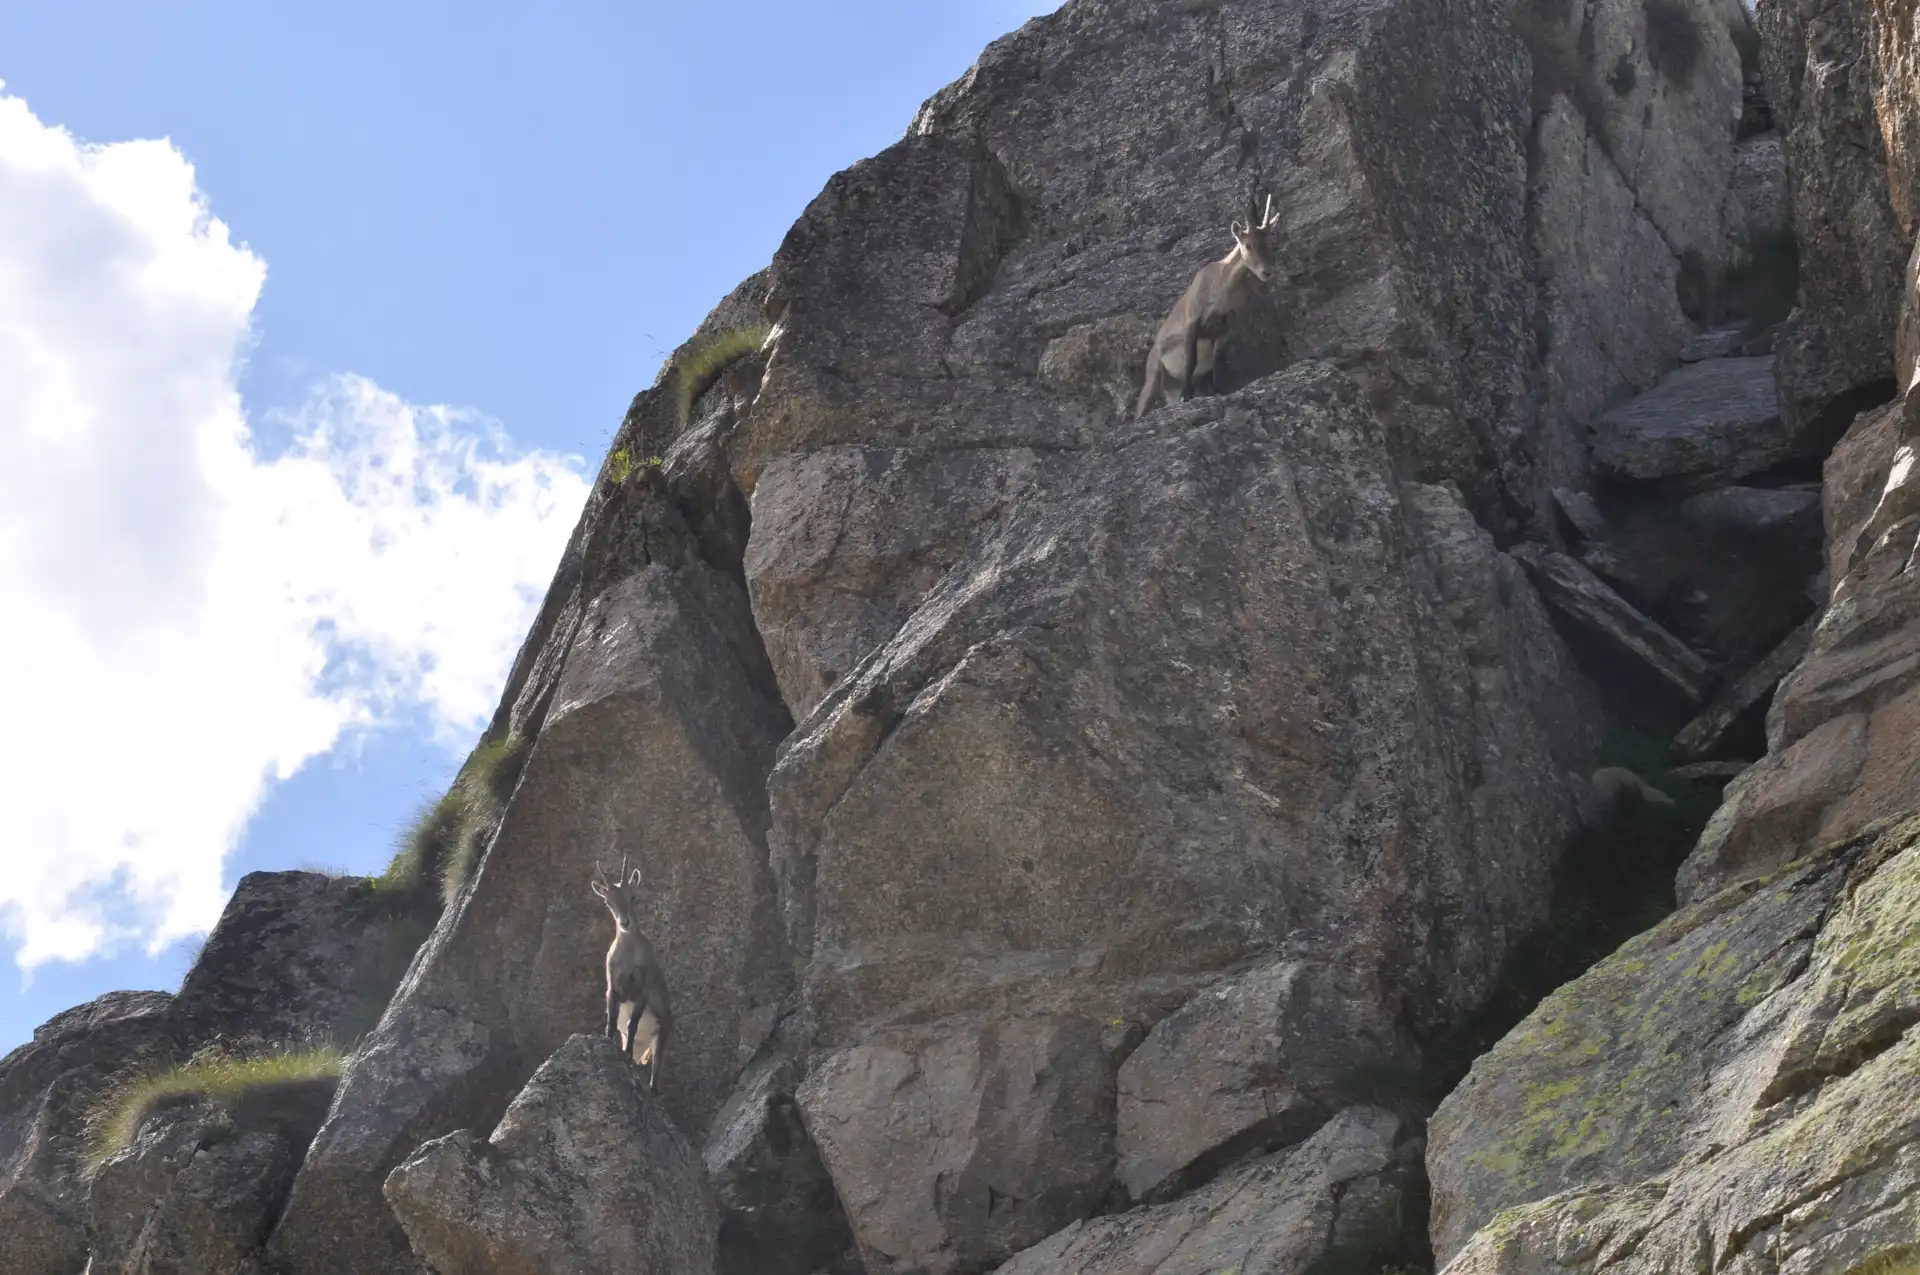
[1079,845]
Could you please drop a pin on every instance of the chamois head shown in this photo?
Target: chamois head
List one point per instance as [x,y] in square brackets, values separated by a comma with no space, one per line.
[621,894]
[1251,240]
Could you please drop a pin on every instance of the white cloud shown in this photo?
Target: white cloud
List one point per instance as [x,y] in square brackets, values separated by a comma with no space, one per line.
[182,619]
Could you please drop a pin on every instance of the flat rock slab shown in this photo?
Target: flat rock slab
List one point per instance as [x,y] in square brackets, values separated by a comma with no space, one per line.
[1707,423]
[1705,735]
[1272,1218]
[1754,509]
[1720,343]
[1584,598]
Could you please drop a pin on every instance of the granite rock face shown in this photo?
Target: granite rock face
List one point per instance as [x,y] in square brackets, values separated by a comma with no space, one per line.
[584,1175]
[951,1148]
[656,737]
[296,957]
[1836,353]
[201,1184]
[1010,810]
[1738,1086]
[46,1089]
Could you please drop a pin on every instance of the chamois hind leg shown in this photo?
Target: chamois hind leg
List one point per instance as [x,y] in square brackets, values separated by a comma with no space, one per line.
[1152,386]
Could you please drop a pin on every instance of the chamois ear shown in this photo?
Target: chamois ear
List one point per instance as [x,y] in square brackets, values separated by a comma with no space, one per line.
[634,879]
[599,889]
[1239,229]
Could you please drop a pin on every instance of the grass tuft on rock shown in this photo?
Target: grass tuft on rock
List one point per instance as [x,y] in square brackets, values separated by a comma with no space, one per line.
[215,1076]
[442,846]
[704,364]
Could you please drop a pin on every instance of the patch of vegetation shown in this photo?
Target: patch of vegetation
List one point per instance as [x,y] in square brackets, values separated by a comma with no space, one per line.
[1904,1260]
[1674,41]
[703,365]
[621,464]
[440,849]
[1613,882]
[1388,1238]
[216,1076]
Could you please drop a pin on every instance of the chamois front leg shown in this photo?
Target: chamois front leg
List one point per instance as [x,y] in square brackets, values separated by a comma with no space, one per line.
[613,1016]
[1193,355]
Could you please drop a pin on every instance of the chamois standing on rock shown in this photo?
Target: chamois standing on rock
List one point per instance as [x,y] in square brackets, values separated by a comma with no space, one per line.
[638,1013]
[1188,342]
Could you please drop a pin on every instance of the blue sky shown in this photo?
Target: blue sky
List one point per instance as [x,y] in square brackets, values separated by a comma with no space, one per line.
[461,236]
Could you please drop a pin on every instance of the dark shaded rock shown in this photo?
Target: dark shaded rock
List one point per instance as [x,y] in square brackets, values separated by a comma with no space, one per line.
[47,1087]
[954,1147]
[779,1214]
[1704,424]
[1757,510]
[1729,719]
[657,738]
[584,1175]
[1246,1066]
[1745,1074]
[1836,351]
[1274,1217]
[1576,593]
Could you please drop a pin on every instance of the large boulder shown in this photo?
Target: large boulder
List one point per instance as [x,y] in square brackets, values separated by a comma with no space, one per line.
[296,956]
[1704,424]
[1345,1185]
[584,1175]
[1252,1063]
[47,1089]
[1738,1090]
[953,1148]
[657,735]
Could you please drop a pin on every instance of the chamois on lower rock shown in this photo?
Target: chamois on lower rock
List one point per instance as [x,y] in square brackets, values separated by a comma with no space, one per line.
[1188,342]
[639,1015]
